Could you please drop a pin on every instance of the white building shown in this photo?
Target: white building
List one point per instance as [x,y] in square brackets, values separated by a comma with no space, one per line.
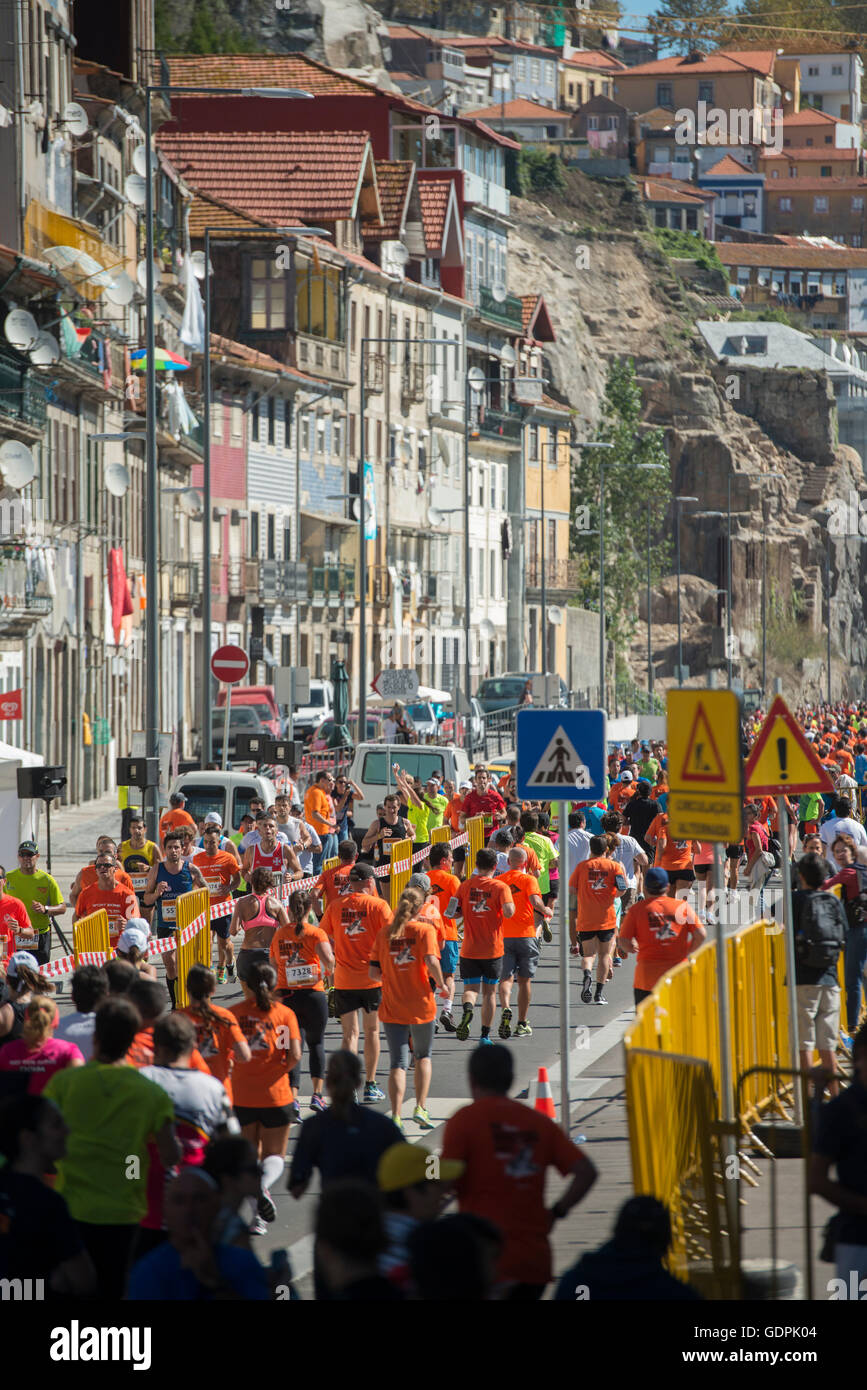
[832,82]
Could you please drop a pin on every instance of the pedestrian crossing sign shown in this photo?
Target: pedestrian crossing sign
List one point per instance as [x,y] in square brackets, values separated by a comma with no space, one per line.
[561,754]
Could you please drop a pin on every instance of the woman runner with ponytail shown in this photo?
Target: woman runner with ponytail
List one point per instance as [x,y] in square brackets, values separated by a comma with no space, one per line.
[218,1034]
[263,1095]
[405,959]
[302,956]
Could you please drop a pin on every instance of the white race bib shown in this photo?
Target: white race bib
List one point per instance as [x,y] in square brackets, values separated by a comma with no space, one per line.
[300,974]
[26,943]
[139,882]
[215,886]
[169,910]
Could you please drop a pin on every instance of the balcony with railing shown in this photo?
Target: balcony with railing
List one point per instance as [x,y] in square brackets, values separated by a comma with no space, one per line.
[22,393]
[18,612]
[186,587]
[560,575]
[333,585]
[491,422]
[505,313]
[493,196]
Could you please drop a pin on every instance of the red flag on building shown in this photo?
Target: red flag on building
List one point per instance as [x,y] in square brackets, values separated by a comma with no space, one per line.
[12,704]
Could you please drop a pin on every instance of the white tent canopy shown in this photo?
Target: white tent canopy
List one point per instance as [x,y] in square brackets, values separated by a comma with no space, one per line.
[19,820]
[425,692]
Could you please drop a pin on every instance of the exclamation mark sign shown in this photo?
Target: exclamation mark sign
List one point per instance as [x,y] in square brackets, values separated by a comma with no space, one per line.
[783,753]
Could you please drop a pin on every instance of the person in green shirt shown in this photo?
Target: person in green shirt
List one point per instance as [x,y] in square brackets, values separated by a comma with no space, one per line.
[649,765]
[436,804]
[39,893]
[811,808]
[112,1113]
[545,851]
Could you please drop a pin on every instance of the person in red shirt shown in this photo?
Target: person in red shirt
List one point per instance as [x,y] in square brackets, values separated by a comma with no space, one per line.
[175,816]
[663,931]
[118,903]
[520,941]
[484,903]
[594,885]
[302,956]
[445,885]
[485,801]
[352,922]
[16,932]
[507,1149]
[334,883]
[87,877]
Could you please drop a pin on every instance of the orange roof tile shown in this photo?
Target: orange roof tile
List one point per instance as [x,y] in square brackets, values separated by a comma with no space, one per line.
[727,167]
[809,116]
[261,70]
[802,154]
[804,257]
[213,212]
[434,195]
[671,191]
[726,60]
[812,184]
[591,59]
[279,176]
[394,177]
[226,347]
[519,109]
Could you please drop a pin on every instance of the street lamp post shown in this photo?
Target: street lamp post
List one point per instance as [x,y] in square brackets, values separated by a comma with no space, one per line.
[649,468]
[677,505]
[151,499]
[600,444]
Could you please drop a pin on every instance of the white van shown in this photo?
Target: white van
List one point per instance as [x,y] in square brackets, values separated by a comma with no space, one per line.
[371,770]
[319,706]
[228,793]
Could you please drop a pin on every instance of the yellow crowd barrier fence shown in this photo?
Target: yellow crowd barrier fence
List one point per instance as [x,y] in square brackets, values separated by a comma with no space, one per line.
[91,933]
[475,828]
[441,835]
[196,951]
[401,869]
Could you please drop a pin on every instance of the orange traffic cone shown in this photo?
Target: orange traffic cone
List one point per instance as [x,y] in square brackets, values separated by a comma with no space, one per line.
[544,1095]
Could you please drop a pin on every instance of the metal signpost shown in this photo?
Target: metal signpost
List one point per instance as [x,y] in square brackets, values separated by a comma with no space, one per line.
[230,665]
[561,758]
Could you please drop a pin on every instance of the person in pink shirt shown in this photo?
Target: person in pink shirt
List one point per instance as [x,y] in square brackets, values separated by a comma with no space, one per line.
[37,1054]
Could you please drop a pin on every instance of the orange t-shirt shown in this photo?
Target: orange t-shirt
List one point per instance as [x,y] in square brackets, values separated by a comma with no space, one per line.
[141,1053]
[173,820]
[453,812]
[662,929]
[216,1042]
[352,922]
[446,886]
[263,1082]
[217,872]
[120,904]
[621,792]
[296,958]
[507,1149]
[89,877]
[522,886]
[332,883]
[482,900]
[594,882]
[846,761]
[407,996]
[430,912]
[318,810]
[533,865]
[670,854]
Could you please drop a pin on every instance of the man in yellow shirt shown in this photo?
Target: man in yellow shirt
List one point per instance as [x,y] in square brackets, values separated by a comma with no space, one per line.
[319,814]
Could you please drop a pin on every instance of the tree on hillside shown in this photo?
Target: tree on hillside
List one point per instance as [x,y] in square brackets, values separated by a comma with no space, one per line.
[683,25]
[798,23]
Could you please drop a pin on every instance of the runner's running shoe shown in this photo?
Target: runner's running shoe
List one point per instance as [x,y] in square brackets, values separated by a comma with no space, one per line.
[317,1103]
[265,1206]
[486,1041]
[294,1113]
[221,977]
[587,988]
[422,1118]
[258,1227]
[505,1028]
[600,997]
[523,1030]
[230,971]
[547,934]
[447,1021]
[372,1093]
[462,1032]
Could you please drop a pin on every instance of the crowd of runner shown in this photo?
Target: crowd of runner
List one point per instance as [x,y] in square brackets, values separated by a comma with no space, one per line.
[143,1141]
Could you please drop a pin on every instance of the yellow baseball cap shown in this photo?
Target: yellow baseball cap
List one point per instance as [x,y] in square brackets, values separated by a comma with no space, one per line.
[405,1165]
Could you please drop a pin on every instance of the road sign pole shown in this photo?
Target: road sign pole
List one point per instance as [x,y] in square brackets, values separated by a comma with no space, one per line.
[789,929]
[729,1144]
[565,1028]
[226,728]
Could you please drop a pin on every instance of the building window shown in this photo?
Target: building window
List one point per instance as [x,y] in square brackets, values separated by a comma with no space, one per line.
[836,69]
[272,420]
[520,67]
[353,326]
[337,438]
[785,205]
[664,94]
[533,444]
[254,535]
[660,217]
[591,87]
[812,72]
[493,559]
[237,424]
[856,241]
[304,426]
[549,73]
[749,207]
[535,69]
[319,300]
[857,204]
[825,171]
[266,286]
[254,422]
[692,219]
[809,140]
[705,92]
[287,544]
[272,536]
[820,204]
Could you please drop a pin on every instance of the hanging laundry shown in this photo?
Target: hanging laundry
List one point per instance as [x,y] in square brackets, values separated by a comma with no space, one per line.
[193,322]
[119,594]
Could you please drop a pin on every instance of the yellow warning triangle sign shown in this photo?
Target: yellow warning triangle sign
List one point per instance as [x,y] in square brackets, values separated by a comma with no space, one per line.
[782,759]
[702,762]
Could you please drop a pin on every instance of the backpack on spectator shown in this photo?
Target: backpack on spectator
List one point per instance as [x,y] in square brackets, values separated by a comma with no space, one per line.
[820,931]
[856,908]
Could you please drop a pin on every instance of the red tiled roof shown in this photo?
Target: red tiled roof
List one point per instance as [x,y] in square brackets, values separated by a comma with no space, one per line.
[226,347]
[656,190]
[535,316]
[434,195]
[496,41]
[280,176]
[591,59]
[797,257]
[728,166]
[403,31]
[812,184]
[809,116]
[208,211]
[262,70]
[726,60]
[394,177]
[519,109]
[805,154]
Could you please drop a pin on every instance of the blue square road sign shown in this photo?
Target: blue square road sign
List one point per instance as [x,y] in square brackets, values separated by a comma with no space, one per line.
[561,754]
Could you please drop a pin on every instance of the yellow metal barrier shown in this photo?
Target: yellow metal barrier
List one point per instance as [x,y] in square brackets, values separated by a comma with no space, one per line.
[331,863]
[401,869]
[441,835]
[197,951]
[760,1015]
[91,933]
[475,828]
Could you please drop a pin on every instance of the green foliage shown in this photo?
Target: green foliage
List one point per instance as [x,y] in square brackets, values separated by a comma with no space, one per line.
[211,30]
[689,246]
[686,24]
[631,492]
[789,639]
[540,172]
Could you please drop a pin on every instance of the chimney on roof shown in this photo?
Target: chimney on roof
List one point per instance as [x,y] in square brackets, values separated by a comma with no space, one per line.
[696,55]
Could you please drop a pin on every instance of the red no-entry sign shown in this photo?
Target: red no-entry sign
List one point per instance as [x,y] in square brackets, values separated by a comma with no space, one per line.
[229,664]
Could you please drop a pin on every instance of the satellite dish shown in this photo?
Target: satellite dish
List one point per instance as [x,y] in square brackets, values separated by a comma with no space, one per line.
[141,274]
[487,629]
[198,263]
[61,257]
[116,479]
[5,117]
[435,517]
[17,464]
[498,291]
[140,160]
[190,502]
[21,329]
[74,118]
[476,379]
[45,351]
[555,617]
[136,189]
[508,355]
[356,509]
[121,289]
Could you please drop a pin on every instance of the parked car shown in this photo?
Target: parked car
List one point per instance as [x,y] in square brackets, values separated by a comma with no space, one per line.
[425,720]
[309,716]
[476,724]
[261,699]
[227,793]
[511,689]
[243,719]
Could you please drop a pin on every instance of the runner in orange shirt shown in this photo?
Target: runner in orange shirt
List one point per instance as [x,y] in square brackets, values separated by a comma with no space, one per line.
[663,929]
[352,923]
[675,856]
[263,1095]
[334,883]
[445,885]
[484,902]
[218,1034]
[404,960]
[175,816]
[302,956]
[222,873]
[520,941]
[594,885]
[621,792]
[87,877]
[119,903]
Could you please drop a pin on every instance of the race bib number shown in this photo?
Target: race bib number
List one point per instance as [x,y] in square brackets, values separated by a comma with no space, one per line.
[169,910]
[215,886]
[487,821]
[139,882]
[26,943]
[301,974]
[115,927]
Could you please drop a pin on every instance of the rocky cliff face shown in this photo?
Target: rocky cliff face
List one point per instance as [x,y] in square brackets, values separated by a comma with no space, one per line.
[725,429]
